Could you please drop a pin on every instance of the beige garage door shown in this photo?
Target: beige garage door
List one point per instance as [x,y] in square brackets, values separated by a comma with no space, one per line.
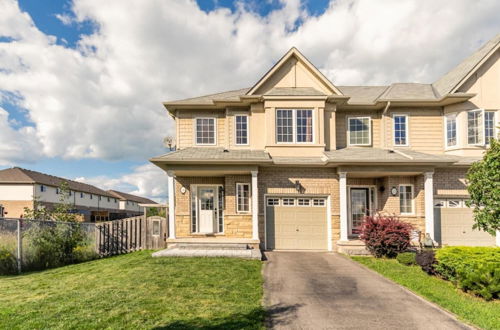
[456,225]
[296,223]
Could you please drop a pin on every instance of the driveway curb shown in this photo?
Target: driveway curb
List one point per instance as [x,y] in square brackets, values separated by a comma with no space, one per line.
[430,303]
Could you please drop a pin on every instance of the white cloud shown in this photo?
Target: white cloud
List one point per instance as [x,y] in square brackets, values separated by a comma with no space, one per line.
[103,100]
[145,180]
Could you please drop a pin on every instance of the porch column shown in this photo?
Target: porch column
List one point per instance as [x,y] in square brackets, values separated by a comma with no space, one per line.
[171,204]
[255,206]
[343,206]
[429,204]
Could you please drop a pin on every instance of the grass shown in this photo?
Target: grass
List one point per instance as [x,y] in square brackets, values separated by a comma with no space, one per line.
[136,291]
[473,310]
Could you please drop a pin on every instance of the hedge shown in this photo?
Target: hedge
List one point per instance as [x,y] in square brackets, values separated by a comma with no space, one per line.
[473,269]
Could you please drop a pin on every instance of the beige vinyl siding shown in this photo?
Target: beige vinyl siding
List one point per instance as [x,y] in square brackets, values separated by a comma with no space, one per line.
[425,129]
[186,124]
[341,126]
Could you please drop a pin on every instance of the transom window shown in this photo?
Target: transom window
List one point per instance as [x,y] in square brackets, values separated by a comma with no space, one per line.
[243,197]
[451,130]
[400,130]
[406,199]
[359,131]
[294,126]
[489,126]
[475,123]
[205,131]
[241,128]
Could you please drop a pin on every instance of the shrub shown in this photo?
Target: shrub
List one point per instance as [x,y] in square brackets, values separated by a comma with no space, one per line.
[84,253]
[474,269]
[8,262]
[385,236]
[427,261]
[406,258]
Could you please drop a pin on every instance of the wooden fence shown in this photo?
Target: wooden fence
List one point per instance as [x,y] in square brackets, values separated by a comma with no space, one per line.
[131,234]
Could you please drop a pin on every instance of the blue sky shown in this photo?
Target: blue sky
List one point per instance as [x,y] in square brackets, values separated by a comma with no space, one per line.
[82,81]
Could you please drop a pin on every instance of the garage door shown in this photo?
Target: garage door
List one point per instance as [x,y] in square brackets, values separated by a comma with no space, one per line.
[294,223]
[456,221]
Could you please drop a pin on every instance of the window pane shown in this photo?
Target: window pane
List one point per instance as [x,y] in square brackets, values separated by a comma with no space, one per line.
[451,130]
[205,130]
[241,129]
[489,125]
[359,131]
[304,126]
[284,125]
[400,130]
[405,199]
[474,127]
[243,197]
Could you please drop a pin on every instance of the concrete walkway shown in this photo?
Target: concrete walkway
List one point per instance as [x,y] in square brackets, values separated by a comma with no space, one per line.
[313,290]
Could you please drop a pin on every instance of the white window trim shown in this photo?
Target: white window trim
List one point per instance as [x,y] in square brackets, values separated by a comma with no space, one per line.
[412,198]
[455,114]
[304,198]
[294,126]
[407,125]
[495,125]
[248,131]
[195,135]
[467,128]
[268,198]
[292,198]
[369,130]
[249,197]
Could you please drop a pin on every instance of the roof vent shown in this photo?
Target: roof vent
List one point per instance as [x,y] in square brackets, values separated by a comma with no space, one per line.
[225,150]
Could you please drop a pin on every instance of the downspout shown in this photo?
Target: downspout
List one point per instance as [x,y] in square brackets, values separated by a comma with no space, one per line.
[383,130]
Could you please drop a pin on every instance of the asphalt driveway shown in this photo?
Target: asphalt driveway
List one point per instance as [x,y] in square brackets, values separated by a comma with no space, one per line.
[313,290]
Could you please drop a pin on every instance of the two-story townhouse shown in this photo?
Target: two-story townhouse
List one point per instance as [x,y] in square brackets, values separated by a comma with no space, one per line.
[296,162]
[21,188]
[131,204]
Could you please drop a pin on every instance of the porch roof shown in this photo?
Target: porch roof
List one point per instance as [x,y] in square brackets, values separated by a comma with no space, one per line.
[376,155]
[214,155]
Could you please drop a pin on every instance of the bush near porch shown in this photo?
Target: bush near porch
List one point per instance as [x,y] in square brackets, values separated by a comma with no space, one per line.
[385,236]
[136,291]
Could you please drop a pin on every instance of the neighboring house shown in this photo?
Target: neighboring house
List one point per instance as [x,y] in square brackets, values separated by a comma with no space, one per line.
[20,188]
[296,162]
[131,204]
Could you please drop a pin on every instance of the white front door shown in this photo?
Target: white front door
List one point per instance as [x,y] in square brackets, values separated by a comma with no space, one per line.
[207,201]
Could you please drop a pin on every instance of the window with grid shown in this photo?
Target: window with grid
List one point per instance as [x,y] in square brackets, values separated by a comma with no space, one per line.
[359,130]
[406,199]
[243,197]
[318,202]
[241,123]
[284,125]
[273,201]
[288,201]
[475,127]
[451,130]
[205,130]
[400,130]
[489,126]
[304,201]
[304,126]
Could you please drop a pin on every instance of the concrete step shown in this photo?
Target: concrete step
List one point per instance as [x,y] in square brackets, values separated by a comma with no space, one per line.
[229,253]
[211,246]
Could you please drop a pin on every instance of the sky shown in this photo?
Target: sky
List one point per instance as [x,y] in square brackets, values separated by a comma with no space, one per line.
[82,81]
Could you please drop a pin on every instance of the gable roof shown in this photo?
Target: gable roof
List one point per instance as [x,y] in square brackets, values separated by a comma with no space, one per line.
[21,175]
[451,81]
[129,197]
[294,52]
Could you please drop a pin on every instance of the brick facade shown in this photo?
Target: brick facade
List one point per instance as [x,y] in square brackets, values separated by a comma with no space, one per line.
[313,181]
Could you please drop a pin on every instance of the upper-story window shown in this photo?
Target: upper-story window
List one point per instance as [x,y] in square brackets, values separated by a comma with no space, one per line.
[82,195]
[43,188]
[359,131]
[489,126]
[294,126]
[475,126]
[205,131]
[451,130]
[400,130]
[241,129]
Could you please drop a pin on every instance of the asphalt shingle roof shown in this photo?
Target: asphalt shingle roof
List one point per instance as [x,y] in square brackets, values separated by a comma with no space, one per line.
[209,154]
[374,155]
[128,197]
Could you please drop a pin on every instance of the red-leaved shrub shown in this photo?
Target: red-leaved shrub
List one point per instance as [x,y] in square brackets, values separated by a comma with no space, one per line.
[385,236]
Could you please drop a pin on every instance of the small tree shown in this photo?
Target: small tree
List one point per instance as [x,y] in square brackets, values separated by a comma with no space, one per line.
[483,184]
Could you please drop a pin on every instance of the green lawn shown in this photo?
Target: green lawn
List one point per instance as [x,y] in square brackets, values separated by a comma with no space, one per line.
[136,291]
[468,308]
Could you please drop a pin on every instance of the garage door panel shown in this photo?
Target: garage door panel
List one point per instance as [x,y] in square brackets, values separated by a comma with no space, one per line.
[296,227]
